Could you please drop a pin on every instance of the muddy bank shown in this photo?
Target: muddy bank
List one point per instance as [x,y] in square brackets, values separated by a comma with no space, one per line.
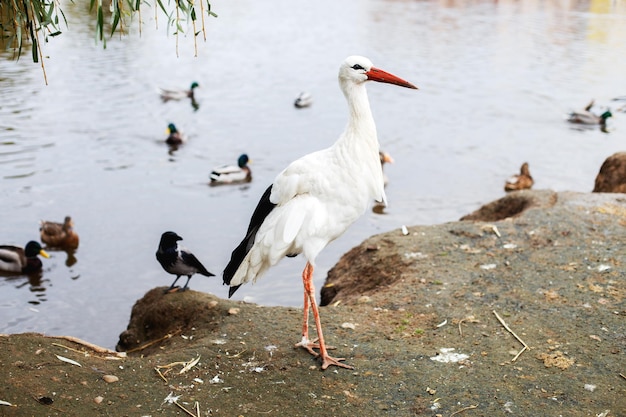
[519,315]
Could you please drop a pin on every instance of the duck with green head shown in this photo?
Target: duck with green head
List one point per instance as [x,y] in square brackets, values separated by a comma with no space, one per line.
[18,260]
[586,117]
[174,136]
[231,174]
[176,94]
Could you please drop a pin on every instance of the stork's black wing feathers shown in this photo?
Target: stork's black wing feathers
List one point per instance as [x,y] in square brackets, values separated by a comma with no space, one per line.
[262,210]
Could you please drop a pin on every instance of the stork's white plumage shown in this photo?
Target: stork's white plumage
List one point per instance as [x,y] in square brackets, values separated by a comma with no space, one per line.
[316,198]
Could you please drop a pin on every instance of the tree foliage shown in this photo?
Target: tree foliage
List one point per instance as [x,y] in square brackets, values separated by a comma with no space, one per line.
[30,22]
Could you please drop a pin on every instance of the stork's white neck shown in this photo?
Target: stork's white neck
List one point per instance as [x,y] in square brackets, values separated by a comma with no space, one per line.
[358,146]
[361,126]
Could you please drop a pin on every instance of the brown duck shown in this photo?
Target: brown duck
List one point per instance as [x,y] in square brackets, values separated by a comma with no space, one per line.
[523,181]
[59,235]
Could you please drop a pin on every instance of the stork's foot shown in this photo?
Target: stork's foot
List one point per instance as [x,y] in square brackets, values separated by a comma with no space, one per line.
[329,360]
[309,345]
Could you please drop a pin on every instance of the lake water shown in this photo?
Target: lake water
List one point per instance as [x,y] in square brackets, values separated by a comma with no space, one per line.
[496,81]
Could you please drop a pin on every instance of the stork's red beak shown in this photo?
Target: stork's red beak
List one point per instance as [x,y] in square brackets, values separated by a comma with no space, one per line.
[381,76]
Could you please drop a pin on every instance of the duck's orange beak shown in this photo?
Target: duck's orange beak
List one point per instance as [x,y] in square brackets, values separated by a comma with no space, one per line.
[44,253]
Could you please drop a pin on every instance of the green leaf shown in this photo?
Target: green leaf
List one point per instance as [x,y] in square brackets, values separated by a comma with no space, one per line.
[100,24]
[63,14]
[116,20]
[162,7]
[35,47]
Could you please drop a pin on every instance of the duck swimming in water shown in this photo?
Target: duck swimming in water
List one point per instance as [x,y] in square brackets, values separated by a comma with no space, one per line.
[15,259]
[59,235]
[231,174]
[586,117]
[174,136]
[167,95]
[304,100]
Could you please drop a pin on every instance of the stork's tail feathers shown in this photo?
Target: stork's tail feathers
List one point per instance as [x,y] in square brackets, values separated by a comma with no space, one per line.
[263,208]
[236,258]
[232,290]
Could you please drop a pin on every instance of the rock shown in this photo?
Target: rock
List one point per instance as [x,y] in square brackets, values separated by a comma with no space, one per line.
[158,314]
[513,204]
[360,272]
[612,175]
[110,378]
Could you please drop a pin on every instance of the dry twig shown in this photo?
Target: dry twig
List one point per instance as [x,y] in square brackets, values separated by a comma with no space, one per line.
[185,410]
[186,366]
[464,409]
[513,333]
[160,374]
[91,346]
[142,347]
[469,319]
[82,352]
[236,355]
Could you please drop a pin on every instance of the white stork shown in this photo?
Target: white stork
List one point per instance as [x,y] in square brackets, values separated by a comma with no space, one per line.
[316,198]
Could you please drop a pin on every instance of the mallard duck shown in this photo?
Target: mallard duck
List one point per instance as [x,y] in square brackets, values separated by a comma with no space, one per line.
[523,181]
[586,117]
[167,95]
[59,235]
[177,260]
[18,260]
[304,100]
[230,174]
[175,137]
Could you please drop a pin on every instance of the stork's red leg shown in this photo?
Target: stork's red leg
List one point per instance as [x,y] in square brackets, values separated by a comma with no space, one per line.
[305,342]
[309,289]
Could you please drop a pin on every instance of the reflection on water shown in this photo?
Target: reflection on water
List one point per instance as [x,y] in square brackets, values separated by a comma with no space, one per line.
[35,283]
[497,80]
[71,258]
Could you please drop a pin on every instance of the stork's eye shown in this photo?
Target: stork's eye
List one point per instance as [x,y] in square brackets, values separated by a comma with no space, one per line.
[357,67]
